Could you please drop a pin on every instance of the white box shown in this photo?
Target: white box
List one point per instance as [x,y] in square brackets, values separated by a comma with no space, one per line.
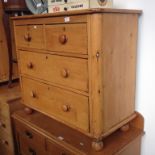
[77,5]
[61,2]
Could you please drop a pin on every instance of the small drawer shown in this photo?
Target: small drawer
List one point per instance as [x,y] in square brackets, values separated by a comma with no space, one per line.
[5,125]
[64,106]
[27,148]
[30,36]
[59,70]
[55,149]
[29,135]
[71,38]
[5,149]
[6,141]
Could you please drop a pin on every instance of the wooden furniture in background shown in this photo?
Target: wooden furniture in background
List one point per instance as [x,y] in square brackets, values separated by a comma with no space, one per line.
[4,58]
[79,68]
[54,138]
[15,5]
[4,65]
[9,103]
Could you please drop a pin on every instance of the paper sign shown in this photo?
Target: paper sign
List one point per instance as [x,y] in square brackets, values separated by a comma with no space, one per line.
[67,19]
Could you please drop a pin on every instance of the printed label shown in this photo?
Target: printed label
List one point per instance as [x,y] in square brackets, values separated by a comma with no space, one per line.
[38,5]
[67,19]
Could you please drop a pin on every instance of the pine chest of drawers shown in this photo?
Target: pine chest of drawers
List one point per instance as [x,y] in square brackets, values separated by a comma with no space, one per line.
[79,67]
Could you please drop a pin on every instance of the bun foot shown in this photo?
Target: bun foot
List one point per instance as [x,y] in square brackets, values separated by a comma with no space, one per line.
[28,111]
[125,128]
[97,145]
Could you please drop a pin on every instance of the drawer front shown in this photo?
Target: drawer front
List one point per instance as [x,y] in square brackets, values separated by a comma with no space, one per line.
[29,136]
[65,71]
[4,111]
[55,149]
[4,150]
[29,36]
[27,148]
[6,141]
[20,33]
[57,103]
[70,38]
[5,125]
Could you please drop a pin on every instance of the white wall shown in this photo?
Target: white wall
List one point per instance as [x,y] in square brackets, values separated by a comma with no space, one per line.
[145,97]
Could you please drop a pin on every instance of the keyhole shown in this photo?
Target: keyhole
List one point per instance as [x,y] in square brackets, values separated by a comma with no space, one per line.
[64,29]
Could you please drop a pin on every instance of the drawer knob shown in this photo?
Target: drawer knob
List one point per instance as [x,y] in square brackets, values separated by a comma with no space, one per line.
[28,134]
[30,65]
[66,108]
[65,73]
[63,39]
[28,110]
[2,125]
[4,142]
[33,94]
[32,152]
[27,37]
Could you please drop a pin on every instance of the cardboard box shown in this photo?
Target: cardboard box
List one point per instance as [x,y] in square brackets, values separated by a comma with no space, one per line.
[69,5]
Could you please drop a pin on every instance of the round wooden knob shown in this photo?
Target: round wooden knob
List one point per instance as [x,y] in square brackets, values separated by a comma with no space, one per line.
[28,111]
[30,65]
[65,108]
[65,73]
[5,142]
[27,37]
[63,39]
[33,94]
[2,125]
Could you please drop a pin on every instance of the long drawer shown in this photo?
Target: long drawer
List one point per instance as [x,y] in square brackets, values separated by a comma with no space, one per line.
[66,71]
[57,103]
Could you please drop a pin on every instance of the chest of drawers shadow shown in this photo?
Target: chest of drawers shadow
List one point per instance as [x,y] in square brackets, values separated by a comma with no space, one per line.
[80,67]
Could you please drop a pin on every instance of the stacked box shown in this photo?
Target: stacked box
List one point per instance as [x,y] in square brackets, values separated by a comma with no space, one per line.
[69,5]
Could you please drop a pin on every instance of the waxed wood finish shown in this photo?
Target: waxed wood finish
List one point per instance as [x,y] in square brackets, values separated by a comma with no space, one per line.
[119,69]
[74,142]
[113,92]
[52,148]
[4,59]
[30,36]
[30,141]
[76,36]
[9,103]
[66,71]
[62,105]
[102,57]
[4,66]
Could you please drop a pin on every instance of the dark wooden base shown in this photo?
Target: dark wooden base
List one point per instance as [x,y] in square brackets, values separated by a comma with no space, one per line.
[118,143]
